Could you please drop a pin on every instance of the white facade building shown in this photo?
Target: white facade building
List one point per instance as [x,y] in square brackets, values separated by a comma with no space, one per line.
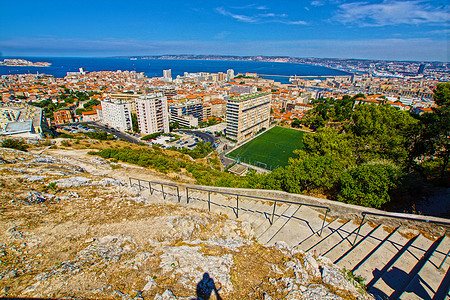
[247,115]
[230,74]
[117,114]
[167,75]
[152,113]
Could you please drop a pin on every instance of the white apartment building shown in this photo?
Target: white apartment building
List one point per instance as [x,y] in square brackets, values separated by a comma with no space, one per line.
[117,114]
[152,113]
[230,74]
[247,114]
[167,75]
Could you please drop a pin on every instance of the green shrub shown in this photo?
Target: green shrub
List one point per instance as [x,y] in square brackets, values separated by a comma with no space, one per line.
[15,144]
[368,185]
[52,186]
[151,136]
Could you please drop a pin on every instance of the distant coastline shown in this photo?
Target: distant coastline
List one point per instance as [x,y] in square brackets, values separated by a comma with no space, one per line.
[60,66]
[16,62]
[259,58]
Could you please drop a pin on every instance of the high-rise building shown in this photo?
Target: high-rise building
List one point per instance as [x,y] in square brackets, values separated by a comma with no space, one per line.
[222,76]
[167,74]
[421,69]
[180,111]
[117,113]
[152,113]
[230,74]
[247,114]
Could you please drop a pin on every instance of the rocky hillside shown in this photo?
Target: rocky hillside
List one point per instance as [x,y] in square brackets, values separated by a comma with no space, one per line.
[72,227]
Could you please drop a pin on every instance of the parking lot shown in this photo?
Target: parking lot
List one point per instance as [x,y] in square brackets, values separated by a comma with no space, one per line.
[76,128]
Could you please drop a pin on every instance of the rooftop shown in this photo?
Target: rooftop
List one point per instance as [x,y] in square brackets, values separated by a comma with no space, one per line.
[19,126]
[249,96]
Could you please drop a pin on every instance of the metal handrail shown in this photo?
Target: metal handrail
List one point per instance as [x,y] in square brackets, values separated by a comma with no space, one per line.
[327,209]
[151,189]
[399,217]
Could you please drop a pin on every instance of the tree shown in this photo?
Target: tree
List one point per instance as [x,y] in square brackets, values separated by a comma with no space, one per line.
[79,111]
[296,123]
[327,141]
[381,132]
[174,125]
[312,173]
[368,185]
[134,121]
[432,139]
[441,124]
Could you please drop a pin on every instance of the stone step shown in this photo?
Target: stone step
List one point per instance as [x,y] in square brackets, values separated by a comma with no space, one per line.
[333,252]
[426,289]
[280,210]
[305,222]
[380,252]
[359,246]
[443,289]
[258,215]
[313,238]
[279,224]
[341,235]
[387,253]
[394,276]
[365,248]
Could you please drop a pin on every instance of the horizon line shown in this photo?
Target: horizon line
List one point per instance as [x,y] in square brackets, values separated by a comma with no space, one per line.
[224,56]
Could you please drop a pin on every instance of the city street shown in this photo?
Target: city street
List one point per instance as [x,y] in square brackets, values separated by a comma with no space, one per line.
[206,137]
[119,134]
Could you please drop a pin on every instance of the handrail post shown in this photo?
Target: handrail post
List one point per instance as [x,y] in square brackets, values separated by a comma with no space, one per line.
[130,183]
[209,200]
[359,228]
[237,206]
[178,194]
[162,190]
[150,188]
[187,195]
[323,223]
[273,212]
[139,182]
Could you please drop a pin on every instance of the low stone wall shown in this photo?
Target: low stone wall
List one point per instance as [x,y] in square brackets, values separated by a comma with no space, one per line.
[419,223]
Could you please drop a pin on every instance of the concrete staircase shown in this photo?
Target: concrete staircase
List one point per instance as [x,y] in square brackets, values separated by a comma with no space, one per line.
[394,263]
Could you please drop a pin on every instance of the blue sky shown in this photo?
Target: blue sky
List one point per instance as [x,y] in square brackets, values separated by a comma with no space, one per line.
[368,29]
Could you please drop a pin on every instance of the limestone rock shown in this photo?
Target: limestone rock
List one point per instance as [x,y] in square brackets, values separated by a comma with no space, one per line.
[318,292]
[150,284]
[232,244]
[35,198]
[73,182]
[33,177]
[167,295]
[311,265]
[191,265]
[333,276]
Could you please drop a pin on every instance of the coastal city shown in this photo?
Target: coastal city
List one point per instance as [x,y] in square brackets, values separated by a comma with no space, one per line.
[209,150]
[197,98]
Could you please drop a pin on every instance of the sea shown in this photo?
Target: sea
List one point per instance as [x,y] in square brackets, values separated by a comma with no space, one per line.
[154,67]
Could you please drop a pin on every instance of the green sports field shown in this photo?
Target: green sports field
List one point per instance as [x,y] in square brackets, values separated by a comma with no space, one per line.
[271,149]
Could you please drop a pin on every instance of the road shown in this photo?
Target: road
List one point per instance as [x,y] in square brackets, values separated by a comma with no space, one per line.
[119,134]
[206,137]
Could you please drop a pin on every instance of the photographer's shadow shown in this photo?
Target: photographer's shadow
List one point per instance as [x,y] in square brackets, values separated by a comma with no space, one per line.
[205,288]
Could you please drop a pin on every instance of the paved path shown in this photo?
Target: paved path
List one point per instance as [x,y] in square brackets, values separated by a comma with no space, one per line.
[396,263]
